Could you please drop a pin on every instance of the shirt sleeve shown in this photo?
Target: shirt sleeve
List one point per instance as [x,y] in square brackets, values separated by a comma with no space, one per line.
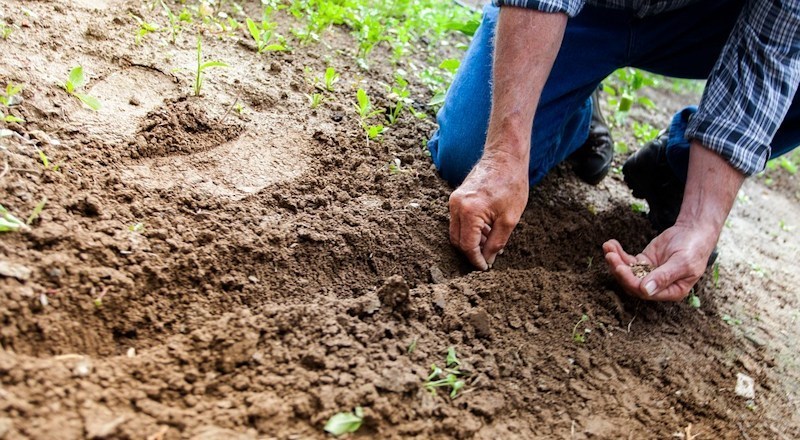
[752,85]
[569,7]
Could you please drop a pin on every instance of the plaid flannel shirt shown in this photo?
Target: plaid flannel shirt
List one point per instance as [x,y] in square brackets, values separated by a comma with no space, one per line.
[752,84]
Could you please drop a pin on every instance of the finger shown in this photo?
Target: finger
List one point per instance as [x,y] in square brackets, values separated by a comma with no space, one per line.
[498,238]
[615,247]
[470,241]
[485,231]
[455,226]
[675,277]
[622,272]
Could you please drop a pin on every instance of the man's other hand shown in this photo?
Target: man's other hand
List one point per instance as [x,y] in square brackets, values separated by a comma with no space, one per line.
[485,209]
[678,256]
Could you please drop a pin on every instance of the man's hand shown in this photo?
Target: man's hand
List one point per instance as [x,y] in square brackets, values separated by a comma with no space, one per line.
[679,254]
[487,206]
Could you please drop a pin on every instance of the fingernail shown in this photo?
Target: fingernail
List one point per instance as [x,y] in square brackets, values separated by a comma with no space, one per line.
[500,252]
[650,287]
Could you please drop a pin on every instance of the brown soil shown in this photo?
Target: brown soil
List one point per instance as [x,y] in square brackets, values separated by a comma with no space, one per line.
[281,271]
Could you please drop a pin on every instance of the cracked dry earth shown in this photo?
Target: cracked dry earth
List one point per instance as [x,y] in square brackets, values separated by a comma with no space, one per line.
[281,271]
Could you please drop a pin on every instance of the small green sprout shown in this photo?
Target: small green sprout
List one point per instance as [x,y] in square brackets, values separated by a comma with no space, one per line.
[693,300]
[5,31]
[715,274]
[639,207]
[412,346]
[577,336]
[174,22]
[202,66]
[136,227]
[331,78]
[447,377]
[77,80]
[452,359]
[10,223]
[144,29]
[365,111]
[364,105]
[46,164]
[315,99]
[263,34]
[7,97]
[620,147]
[788,165]
[730,320]
[450,65]
[37,210]
[345,422]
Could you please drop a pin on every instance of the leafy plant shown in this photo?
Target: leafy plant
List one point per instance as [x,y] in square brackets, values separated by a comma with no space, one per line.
[10,223]
[37,210]
[580,336]
[449,377]
[202,67]
[644,132]
[262,34]
[331,78]
[730,320]
[75,82]
[175,20]
[715,274]
[365,111]
[144,29]
[693,300]
[46,162]
[7,99]
[315,99]
[5,31]
[638,207]
[345,422]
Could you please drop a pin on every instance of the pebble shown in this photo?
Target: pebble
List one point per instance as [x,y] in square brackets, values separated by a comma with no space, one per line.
[745,386]
[15,270]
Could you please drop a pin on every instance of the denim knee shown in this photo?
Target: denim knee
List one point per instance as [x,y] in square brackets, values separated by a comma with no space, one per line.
[454,153]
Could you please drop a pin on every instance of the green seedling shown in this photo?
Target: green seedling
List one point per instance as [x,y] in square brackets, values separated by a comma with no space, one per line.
[202,67]
[644,132]
[580,336]
[452,359]
[331,78]
[174,22]
[315,99]
[788,165]
[450,65]
[5,31]
[144,29]
[365,111]
[7,97]
[75,82]
[693,300]
[10,223]
[784,227]
[412,346]
[620,147]
[37,210]
[715,274]
[448,377]
[345,422]
[136,227]
[46,164]
[639,207]
[730,320]
[262,34]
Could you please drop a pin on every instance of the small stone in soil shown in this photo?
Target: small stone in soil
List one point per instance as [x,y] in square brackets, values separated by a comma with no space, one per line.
[640,270]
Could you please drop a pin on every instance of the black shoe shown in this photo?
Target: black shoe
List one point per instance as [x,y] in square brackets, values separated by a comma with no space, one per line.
[592,160]
[649,176]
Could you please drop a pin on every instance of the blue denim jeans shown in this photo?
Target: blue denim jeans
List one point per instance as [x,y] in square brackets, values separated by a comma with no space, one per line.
[684,43]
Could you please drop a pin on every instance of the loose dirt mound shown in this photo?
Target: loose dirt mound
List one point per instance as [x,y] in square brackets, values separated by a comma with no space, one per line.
[250,275]
[181,126]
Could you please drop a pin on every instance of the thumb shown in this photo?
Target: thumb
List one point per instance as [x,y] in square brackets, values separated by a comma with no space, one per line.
[664,278]
[497,239]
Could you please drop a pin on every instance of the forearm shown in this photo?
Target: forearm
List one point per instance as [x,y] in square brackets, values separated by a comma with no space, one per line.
[711,188]
[527,43]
